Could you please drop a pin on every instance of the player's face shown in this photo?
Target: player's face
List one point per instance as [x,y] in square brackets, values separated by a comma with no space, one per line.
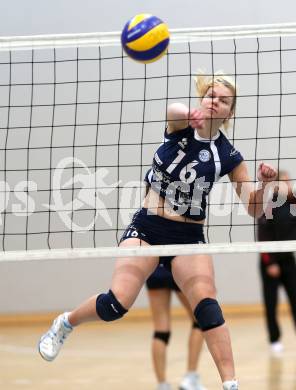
[217,102]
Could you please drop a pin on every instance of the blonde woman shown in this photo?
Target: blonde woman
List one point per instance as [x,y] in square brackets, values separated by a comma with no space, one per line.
[194,154]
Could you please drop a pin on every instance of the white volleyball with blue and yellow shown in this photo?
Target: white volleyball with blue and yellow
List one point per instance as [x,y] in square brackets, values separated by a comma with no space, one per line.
[145,38]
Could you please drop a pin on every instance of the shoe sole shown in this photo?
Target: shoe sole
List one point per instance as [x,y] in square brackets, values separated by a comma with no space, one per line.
[44,357]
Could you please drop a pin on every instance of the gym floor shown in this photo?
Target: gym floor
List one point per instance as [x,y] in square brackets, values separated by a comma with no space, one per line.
[117,355]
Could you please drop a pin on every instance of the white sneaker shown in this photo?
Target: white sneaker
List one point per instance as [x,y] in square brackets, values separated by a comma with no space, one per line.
[52,341]
[276,348]
[191,382]
[230,385]
[164,386]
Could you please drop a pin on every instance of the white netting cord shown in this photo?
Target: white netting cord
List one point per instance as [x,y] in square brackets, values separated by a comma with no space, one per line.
[177,35]
[155,250]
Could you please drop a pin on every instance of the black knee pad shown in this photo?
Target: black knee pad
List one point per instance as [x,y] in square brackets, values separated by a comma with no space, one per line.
[208,314]
[163,336]
[108,308]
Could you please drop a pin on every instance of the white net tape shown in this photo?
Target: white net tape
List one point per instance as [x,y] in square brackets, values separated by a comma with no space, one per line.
[177,35]
[155,250]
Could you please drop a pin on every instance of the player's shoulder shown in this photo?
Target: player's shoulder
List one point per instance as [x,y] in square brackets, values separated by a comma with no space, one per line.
[225,144]
[187,132]
[223,139]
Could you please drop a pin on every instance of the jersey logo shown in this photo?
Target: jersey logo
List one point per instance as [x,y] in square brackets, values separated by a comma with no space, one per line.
[204,155]
[183,143]
[233,152]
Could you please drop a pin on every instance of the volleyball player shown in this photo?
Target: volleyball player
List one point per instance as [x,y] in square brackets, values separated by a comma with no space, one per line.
[194,154]
[160,286]
[278,269]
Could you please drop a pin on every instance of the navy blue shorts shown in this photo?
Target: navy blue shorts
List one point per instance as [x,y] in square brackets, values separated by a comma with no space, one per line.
[156,230]
[161,278]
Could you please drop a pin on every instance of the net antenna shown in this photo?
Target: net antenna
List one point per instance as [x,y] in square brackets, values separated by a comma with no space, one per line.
[79,123]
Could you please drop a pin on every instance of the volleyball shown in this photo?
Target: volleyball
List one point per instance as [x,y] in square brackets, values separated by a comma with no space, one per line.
[145,38]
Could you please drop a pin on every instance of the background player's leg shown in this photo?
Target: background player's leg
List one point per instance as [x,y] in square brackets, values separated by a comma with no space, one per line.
[191,379]
[288,279]
[270,297]
[160,300]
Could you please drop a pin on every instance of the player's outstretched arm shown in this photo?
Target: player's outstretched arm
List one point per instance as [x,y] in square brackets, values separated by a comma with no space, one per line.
[253,198]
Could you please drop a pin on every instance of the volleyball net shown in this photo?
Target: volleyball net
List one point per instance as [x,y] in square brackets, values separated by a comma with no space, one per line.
[80,122]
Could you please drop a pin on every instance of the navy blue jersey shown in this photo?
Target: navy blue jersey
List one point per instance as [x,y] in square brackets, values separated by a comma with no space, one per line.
[185,167]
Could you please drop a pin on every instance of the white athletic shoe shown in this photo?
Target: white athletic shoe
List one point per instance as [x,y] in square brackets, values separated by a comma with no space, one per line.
[276,349]
[230,385]
[51,342]
[164,386]
[191,382]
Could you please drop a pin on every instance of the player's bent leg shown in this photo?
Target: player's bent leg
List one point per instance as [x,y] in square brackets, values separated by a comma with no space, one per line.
[210,319]
[128,278]
[197,284]
[107,308]
[130,274]
[208,314]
